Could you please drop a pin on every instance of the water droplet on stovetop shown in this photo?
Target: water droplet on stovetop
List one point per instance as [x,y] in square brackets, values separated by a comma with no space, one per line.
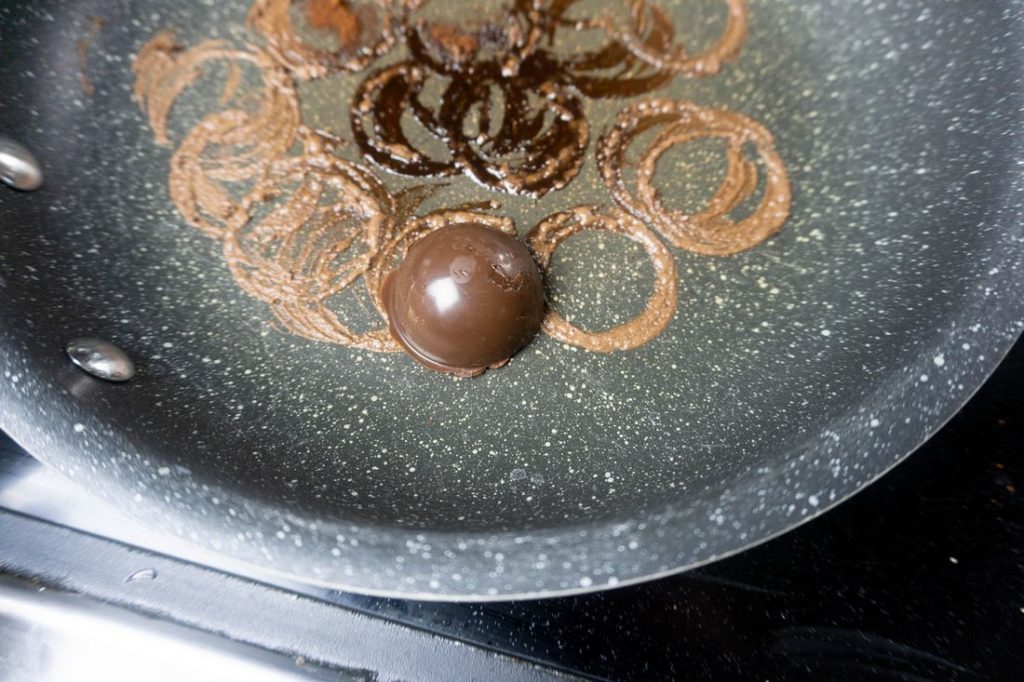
[143,575]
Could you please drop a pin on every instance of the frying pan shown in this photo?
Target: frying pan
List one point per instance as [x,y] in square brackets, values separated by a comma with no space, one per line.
[792,376]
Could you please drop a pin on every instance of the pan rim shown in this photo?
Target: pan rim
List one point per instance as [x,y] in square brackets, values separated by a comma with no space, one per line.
[22,433]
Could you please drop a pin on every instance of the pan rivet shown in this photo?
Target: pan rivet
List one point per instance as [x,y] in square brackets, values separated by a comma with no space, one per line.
[101,359]
[18,168]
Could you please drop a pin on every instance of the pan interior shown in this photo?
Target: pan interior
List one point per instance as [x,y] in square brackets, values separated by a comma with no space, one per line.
[900,165]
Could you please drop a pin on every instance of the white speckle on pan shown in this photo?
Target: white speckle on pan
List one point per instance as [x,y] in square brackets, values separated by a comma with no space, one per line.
[939,360]
[826,332]
[79,428]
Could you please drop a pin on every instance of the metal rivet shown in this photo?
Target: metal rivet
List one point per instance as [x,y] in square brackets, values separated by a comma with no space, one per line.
[18,168]
[101,359]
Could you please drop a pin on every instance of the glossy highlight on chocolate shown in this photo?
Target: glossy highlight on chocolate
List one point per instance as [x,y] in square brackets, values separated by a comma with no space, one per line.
[464,299]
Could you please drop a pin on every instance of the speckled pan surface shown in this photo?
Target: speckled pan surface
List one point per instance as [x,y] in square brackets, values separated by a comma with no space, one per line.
[793,374]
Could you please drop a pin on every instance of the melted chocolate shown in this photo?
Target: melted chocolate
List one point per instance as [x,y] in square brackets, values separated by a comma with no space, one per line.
[661,306]
[465,298]
[82,48]
[674,59]
[364,31]
[229,149]
[543,135]
[537,148]
[711,231]
[459,292]
[544,132]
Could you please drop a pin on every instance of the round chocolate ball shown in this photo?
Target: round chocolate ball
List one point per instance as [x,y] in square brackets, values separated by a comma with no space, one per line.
[466,297]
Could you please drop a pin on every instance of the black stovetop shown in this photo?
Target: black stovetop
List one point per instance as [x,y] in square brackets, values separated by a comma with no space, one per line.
[920,577]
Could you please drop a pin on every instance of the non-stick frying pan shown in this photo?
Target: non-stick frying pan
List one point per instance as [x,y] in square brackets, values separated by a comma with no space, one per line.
[793,374]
